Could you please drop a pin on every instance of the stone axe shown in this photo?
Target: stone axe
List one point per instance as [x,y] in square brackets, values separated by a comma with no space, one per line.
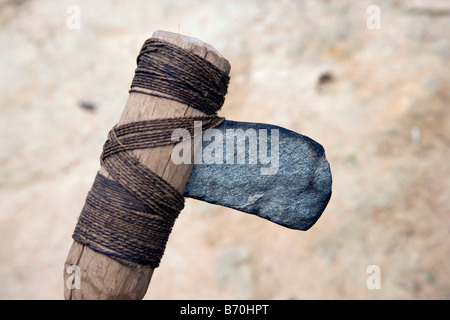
[261,169]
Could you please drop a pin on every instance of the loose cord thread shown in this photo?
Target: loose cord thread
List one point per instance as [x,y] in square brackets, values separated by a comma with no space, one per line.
[130,217]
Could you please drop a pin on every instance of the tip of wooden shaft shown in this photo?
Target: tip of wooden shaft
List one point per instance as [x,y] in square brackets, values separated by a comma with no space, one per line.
[197,46]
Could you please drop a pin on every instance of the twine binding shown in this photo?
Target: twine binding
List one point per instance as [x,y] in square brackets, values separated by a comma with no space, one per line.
[130,216]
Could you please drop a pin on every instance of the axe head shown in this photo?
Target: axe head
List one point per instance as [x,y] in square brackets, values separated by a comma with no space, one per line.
[265,170]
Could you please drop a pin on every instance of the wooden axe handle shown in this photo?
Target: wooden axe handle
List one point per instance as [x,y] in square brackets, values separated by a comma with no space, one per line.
[101,277]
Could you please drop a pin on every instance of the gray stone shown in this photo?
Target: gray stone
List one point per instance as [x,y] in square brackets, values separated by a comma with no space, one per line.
[284,177]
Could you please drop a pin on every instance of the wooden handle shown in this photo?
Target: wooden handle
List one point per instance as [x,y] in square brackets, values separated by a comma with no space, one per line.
[101,277]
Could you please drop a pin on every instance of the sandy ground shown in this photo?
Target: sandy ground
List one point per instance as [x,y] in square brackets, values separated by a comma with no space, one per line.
[376,99]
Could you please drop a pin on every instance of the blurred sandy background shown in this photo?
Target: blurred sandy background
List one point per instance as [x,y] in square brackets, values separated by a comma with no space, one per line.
[376,99]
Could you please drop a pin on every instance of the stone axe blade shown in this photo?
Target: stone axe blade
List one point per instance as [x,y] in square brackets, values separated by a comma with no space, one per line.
[262,169]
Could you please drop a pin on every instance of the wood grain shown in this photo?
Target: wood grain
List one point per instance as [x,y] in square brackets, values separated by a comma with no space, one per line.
[101,276]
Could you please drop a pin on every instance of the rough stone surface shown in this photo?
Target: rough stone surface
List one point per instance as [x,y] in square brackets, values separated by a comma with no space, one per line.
[293,193]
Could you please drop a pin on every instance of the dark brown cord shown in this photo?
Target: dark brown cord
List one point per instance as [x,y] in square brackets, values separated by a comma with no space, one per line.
[165,70]
[130,217]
